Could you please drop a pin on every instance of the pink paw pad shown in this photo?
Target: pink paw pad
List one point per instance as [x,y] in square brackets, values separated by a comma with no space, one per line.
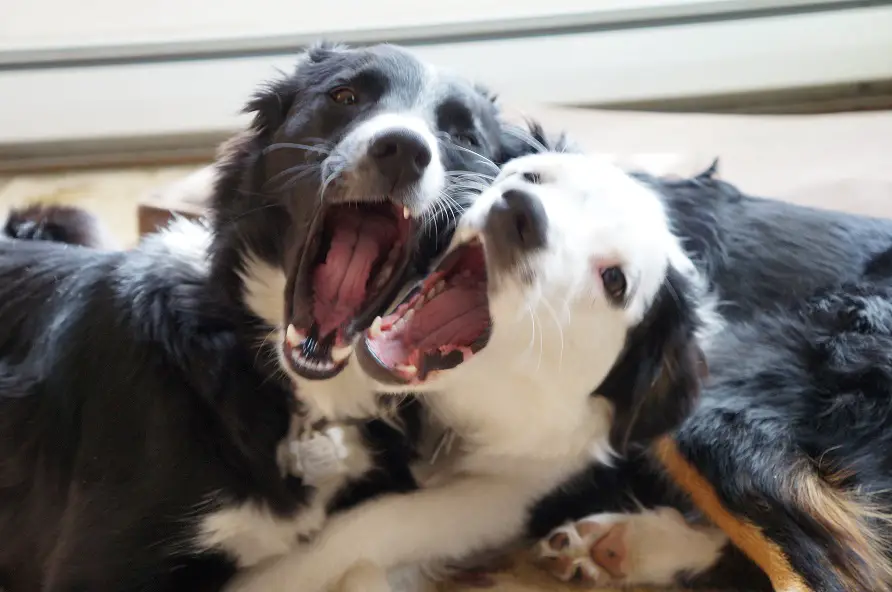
[590,551]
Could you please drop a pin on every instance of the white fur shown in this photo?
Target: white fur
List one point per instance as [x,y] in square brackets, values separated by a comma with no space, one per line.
[433,179]
[522,407]
[183,239]
[263,289]
[251,533]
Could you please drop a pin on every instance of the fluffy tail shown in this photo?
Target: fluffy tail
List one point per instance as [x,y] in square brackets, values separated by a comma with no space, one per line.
[60,224]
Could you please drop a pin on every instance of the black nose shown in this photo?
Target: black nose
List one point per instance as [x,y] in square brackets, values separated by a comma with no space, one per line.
[400,156]
[519,220]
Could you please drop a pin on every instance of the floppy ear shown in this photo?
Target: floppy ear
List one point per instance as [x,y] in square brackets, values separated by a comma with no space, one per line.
[272,101]
[656,381]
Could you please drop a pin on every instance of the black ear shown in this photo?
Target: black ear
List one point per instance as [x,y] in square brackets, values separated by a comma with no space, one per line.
[322,50]
[521,140]
[656,381]
[272,101]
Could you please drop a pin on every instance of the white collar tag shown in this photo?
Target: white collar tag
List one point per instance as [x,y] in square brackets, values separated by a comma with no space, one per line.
[318,455]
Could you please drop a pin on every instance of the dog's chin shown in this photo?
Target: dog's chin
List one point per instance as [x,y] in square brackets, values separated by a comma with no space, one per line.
[443,322]
[354,259]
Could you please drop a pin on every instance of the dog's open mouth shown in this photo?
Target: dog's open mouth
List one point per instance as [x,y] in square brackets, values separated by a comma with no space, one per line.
[349,271]
[442,323]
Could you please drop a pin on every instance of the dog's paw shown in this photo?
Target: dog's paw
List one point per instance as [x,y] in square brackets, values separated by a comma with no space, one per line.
[650,547]
[590,551]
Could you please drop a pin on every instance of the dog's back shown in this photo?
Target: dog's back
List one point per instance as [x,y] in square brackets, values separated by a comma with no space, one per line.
[109,362]
[761,252]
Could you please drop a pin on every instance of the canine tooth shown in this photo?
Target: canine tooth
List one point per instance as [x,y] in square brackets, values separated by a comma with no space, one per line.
[339,354]
[407,369]
[375,329]
[406,213]
[292,336]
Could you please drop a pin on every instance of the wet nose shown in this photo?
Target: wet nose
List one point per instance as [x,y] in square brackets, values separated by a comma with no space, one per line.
[401,156]
[518,219]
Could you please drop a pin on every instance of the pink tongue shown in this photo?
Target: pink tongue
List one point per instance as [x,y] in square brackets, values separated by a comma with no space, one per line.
[455,317]
[340,282]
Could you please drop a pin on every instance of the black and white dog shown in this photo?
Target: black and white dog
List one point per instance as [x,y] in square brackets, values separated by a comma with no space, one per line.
[562,325]
[791,435]
[145,421]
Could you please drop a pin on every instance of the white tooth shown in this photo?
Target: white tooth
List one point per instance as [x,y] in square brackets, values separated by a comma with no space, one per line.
[385,273]
[399,324]
[440,285]
[375,330]
[406,213]
[407,369]
[409,314]
[292,336]
[339,354]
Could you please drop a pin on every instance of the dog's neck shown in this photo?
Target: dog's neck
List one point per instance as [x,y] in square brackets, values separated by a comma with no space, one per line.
[348,396]
[520,408]
[529,400]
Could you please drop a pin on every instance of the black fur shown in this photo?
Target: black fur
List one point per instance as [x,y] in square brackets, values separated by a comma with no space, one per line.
[758,253]
[656,382]
[138,392]
[810,400]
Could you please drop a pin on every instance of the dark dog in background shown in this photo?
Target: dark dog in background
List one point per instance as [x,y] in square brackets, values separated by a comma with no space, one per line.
[143,409]
[57,223]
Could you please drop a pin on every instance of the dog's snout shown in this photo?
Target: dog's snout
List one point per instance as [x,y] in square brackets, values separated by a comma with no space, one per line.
[519,219]
[401,156]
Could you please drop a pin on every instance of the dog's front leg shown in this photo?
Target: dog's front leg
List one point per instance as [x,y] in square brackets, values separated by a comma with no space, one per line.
[444,523]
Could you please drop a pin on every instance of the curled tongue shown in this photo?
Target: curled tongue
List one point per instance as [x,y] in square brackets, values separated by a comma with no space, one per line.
[358,241]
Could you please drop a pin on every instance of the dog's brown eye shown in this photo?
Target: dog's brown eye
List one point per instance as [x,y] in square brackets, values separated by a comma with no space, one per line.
[343,95]
[533,178]
[614,281]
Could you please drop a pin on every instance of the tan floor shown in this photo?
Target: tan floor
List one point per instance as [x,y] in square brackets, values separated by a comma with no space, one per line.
[114,194]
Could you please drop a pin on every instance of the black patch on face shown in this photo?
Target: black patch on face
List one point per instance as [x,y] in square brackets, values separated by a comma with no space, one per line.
[656,381]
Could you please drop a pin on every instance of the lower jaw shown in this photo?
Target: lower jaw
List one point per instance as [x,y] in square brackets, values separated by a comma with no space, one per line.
[309,368]
[427,366]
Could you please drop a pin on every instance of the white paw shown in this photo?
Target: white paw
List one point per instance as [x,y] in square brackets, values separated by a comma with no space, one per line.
[591,551]
[648,547]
